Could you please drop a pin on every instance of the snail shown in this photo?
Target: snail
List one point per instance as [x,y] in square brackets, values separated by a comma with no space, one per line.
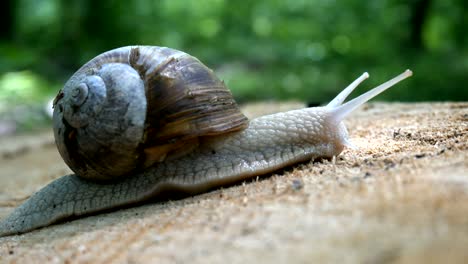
[141,120]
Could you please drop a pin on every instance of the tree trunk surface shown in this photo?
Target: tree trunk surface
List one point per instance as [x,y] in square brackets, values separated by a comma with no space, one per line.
[400,196]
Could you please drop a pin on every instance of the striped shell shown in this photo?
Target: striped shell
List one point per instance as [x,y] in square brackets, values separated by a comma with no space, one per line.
[131,107]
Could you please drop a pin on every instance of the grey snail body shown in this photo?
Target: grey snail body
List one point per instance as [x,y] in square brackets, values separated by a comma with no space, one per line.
[137,121]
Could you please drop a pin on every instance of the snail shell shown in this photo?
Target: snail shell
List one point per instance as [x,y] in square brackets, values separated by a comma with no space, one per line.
[131,107]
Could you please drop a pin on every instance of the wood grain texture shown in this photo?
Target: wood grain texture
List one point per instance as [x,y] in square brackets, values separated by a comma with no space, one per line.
[401,197]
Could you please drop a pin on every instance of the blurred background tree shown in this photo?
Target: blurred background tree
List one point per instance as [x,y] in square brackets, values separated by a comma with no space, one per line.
[265,50]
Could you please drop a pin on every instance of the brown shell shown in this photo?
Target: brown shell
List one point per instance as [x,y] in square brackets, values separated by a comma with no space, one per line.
[185,101]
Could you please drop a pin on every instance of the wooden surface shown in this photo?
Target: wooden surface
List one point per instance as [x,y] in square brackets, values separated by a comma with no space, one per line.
[400,197]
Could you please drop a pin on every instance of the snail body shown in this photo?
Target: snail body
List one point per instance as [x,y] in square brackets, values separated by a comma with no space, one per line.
[193,149]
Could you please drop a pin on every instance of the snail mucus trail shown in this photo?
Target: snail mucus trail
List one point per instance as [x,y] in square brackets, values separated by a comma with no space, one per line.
[137,121]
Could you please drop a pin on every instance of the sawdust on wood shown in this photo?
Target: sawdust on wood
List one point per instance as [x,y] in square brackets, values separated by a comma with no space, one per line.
[400,197]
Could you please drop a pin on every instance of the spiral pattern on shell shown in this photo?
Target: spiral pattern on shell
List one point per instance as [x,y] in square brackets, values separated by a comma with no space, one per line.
[132,107]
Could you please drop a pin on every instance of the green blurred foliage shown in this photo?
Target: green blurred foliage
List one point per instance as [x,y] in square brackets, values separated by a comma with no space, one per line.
[278,49]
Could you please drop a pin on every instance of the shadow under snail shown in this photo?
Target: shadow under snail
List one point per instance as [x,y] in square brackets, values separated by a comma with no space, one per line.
[137,121]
